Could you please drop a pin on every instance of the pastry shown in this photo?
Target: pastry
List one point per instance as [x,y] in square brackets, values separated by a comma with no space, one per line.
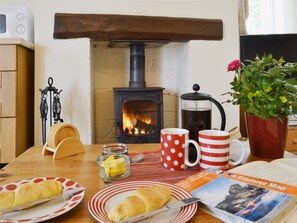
[6,200]
[54,187]
[141,201]
[28,193]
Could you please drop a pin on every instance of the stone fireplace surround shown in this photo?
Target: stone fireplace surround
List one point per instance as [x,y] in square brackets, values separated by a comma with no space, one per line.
[111,67]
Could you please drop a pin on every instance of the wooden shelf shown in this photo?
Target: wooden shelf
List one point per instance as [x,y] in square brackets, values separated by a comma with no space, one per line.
[106,27]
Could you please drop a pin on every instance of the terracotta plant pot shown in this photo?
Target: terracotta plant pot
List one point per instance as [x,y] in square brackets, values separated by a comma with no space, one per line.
[267,137]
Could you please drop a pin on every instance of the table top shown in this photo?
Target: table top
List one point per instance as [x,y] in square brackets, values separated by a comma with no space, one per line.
[81,168]
[16,41]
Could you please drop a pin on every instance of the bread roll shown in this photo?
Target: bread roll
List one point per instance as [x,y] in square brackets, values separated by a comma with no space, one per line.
[142,200]
[28,193]
[53,187]
[6,200]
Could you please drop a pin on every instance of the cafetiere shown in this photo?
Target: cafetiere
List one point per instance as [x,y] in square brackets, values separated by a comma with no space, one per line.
[196,114]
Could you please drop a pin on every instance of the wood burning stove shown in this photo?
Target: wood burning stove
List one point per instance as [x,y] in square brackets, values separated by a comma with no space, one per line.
[139,114]
[138,109]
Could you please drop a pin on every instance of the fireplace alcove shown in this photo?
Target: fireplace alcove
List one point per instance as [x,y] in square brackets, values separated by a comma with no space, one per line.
[117,28]
[138,109]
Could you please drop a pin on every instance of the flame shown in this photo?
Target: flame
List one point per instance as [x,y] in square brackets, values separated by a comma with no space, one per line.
[130,120]
[127,122]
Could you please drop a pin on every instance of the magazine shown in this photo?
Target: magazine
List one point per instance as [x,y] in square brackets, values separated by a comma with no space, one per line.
[282,170]
[234,196]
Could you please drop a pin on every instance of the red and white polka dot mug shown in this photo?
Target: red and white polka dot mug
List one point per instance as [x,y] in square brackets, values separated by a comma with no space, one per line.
[215,149]
[175,149]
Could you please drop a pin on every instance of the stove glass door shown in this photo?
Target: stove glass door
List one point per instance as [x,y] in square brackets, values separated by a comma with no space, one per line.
[139,117]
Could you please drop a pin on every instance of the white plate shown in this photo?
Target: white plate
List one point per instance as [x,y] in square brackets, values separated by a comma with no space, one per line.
[46,210]
[100,203]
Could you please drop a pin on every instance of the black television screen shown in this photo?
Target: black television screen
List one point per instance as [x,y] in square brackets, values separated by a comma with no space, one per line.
[279,45]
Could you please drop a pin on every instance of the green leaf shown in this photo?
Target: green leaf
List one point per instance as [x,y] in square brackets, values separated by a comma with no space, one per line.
[283,99]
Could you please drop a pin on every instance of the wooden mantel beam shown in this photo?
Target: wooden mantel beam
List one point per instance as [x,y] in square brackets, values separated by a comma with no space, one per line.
[107,27]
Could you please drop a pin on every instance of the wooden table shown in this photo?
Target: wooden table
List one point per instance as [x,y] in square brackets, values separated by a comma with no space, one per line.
[82,168]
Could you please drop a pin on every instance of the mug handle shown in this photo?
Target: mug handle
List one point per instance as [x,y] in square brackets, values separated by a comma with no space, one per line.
[197,147]
[234,163]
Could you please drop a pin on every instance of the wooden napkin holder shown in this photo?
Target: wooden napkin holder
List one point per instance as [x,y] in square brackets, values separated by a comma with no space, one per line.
[63,140]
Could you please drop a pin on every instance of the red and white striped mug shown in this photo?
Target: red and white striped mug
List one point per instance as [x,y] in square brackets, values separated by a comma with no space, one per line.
[215,149]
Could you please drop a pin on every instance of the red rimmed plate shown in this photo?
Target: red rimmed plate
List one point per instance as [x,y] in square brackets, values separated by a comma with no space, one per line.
[100,203]
[45,211]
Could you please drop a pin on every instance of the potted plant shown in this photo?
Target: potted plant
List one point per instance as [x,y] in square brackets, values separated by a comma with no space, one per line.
[265,88]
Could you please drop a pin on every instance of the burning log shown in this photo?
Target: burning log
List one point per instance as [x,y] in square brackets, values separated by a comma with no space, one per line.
[142,126]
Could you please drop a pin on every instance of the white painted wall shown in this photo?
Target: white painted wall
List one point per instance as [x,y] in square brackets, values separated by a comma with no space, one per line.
[69,63]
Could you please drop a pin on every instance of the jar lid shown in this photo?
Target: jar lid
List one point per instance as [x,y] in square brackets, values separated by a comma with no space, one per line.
[114,149]
[195,96]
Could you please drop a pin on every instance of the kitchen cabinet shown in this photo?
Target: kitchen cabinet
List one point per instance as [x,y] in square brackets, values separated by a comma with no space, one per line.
[16,98]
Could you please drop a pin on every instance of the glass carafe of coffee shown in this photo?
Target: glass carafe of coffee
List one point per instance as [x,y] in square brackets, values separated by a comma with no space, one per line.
[196,114]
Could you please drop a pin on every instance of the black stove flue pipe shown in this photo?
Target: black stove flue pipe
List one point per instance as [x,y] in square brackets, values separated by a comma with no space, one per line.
[137,65]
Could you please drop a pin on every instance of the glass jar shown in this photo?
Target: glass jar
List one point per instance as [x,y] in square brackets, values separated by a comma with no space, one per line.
[114,164]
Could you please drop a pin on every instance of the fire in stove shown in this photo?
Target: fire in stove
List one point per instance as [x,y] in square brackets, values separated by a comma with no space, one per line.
[139,117]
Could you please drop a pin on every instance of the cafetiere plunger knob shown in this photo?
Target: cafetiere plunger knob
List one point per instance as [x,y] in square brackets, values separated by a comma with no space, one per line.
[196,87]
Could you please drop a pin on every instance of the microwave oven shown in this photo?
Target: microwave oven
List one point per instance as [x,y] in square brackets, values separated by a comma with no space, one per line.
[16,22]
